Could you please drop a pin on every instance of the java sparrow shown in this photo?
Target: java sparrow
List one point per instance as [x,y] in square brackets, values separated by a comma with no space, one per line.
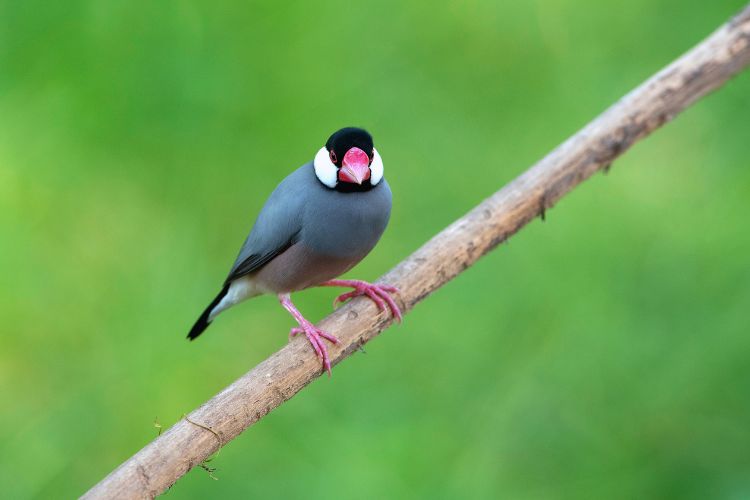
[317,224]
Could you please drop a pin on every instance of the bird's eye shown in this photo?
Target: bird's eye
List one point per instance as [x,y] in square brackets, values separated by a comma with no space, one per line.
[332,155]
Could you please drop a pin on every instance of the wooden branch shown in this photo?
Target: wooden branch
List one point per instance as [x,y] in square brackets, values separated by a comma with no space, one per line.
[196,437]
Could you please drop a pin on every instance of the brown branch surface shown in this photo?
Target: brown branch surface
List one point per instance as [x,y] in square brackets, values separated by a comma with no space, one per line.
[191,440]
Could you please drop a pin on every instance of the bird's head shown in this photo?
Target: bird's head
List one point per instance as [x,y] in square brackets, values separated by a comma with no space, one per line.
[349,161]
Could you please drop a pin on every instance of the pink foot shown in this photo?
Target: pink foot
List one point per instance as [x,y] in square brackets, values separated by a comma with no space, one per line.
[314,334]
[380,294]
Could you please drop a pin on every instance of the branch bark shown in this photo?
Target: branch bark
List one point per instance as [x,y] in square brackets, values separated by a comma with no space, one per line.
[658,100]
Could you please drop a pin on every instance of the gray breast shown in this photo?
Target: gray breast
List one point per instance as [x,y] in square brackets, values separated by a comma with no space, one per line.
[345,225]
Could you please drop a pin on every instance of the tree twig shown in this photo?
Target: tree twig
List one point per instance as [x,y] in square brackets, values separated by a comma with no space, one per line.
[190,441]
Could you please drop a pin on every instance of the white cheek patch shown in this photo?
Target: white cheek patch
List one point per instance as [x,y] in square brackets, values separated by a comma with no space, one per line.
[376,168]
[325,170]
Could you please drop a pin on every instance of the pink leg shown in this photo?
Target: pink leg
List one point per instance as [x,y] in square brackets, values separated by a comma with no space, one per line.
[313,334]
[378,293]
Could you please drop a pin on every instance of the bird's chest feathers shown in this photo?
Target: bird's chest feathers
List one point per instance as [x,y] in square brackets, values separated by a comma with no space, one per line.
[348,225]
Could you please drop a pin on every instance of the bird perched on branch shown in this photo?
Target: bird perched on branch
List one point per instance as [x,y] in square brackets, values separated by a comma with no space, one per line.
[317,224]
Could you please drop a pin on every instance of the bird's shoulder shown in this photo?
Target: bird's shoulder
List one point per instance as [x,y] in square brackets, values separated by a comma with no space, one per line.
[278,224]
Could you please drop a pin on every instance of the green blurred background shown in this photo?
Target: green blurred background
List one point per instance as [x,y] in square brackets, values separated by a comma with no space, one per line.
[602,354]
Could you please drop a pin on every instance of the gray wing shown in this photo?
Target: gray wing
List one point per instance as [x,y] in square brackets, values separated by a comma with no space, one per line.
[277,226]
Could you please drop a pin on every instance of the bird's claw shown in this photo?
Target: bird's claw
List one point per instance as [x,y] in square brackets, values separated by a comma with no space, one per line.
[315,336]
[380,294]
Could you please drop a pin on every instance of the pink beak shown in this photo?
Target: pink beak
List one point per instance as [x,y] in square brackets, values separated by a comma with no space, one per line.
[355,167]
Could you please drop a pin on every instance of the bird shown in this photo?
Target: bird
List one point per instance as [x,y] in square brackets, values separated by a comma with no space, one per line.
[317,224]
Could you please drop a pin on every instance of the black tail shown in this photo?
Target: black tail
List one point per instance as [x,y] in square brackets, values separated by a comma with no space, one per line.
[203,322]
